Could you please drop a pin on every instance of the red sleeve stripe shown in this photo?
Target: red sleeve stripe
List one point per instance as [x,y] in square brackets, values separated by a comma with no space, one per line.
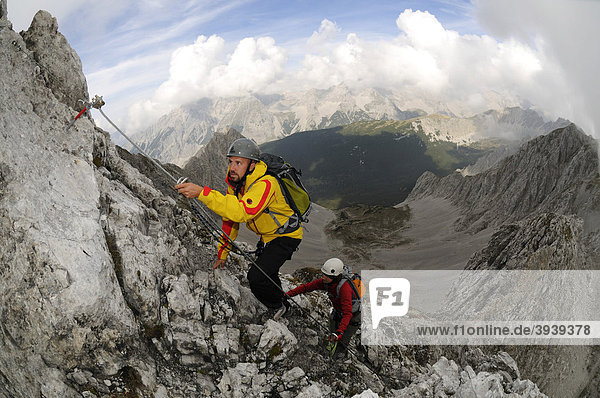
[227,226]
[228,181]
[253,210]
[206,190]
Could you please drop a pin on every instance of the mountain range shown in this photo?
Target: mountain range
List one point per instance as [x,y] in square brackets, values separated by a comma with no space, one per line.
[378,162]
[178,135]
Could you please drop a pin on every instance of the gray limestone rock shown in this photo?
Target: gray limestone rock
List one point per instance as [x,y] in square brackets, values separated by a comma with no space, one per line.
[292,375]
[254,332]
[552,173]
[546,241]
[226,339]
[209,165]
[447,379]
[228,284]
[61,305]
[241,381]
[448,372]
[60,65]
[314,390]
[276,341]
[190,337]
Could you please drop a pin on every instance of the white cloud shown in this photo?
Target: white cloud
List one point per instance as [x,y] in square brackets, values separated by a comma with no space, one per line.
[423,30]
[426,59]
[204,69]
[326,34]
[566,33]
[423,60]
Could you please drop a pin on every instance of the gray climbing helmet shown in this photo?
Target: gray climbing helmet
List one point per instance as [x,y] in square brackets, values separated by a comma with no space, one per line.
[244,148]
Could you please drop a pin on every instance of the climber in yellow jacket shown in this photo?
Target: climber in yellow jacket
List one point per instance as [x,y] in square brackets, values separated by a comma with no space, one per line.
[254,198]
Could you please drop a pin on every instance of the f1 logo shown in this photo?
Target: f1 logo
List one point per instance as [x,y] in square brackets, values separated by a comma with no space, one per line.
[389,297]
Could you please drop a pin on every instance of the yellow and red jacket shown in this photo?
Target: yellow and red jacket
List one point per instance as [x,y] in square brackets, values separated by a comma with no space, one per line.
[259,193]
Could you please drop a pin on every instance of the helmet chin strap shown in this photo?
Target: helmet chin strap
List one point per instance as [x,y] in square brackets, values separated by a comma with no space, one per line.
[248,171]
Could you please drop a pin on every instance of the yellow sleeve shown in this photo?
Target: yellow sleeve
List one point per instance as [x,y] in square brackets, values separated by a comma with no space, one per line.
[257,199]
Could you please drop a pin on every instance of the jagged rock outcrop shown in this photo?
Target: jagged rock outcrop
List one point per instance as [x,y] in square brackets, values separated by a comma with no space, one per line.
[447,379]
[3,10]
[59,64]
[61,305]
[553,173]
[106,285]
[544,201]
[207,167]
[548,241]
[541,242]
[491,159]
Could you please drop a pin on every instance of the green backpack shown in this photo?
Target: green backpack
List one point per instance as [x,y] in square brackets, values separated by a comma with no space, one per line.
[295,194]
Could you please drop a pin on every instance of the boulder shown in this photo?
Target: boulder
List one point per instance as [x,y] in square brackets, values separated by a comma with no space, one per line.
[276,341]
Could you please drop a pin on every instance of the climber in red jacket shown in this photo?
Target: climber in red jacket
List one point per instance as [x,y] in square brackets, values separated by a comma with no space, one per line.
[344,319]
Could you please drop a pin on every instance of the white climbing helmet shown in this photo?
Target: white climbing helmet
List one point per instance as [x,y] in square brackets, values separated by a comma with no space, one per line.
[333,267]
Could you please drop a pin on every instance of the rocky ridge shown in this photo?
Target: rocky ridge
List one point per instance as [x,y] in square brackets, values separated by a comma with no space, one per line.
[556,173]
[552,242]
[209,164]
[546,216]
[3,11]
[180,133]
[105,281]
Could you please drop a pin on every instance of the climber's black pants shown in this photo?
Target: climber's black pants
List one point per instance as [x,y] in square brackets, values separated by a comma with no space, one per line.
[275,253]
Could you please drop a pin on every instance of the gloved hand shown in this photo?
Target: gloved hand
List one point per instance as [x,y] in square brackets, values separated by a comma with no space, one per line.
[335,337]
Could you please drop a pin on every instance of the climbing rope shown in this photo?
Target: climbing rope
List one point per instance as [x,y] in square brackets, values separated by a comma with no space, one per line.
[207,222]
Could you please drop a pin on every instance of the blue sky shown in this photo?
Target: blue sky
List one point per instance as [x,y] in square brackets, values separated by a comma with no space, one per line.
[147,56]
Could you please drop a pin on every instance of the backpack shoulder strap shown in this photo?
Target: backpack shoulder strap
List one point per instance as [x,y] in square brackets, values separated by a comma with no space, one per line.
[356,299]
[339,286]
[352,285]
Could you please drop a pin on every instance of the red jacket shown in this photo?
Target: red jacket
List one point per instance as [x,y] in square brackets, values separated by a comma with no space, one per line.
[342,303]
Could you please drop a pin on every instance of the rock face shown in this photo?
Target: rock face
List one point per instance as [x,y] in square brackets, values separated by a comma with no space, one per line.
[490,160]
[553,173]
[59,64]
[545,242]
[544,202]
[62,307]
[208,166]
[447,379]
[106,285]
[3,10]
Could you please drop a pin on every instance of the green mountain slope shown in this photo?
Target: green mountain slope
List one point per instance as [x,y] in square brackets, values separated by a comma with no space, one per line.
[375,162]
